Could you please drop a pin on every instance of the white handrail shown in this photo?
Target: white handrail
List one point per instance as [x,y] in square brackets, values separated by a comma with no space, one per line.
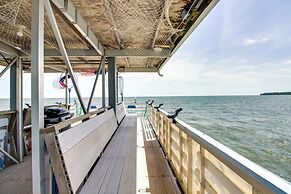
[259,177]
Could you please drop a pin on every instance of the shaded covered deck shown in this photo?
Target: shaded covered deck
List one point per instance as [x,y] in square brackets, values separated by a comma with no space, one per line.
[132,162]
[91,38]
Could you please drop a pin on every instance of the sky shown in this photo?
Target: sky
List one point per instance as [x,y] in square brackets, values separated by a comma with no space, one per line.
[243,47]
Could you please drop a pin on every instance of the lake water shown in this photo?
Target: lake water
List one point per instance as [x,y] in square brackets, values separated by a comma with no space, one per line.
[257,127]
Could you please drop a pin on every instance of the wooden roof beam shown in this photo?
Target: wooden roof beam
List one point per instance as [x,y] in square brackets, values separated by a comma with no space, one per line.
[138,53]
[67,8]
[111,53]
[71,53]
[10,50]
[137,69]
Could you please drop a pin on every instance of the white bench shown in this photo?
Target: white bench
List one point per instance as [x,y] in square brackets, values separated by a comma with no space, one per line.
[74,152]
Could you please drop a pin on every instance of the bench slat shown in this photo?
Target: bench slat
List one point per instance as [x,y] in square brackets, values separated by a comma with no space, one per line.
[68,139]
[80,146]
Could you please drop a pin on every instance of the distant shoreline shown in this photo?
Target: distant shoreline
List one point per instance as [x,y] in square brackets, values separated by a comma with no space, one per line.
[276,93]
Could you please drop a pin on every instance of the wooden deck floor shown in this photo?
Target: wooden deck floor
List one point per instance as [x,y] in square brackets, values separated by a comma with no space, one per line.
[17,179]
[133,162]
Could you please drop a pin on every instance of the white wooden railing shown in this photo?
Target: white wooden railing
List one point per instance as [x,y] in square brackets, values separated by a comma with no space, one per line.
[203,165]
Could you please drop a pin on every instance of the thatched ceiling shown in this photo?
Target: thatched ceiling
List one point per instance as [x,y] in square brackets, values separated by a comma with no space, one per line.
[118,24]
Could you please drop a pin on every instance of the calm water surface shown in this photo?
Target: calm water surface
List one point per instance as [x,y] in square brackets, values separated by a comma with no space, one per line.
[257,127]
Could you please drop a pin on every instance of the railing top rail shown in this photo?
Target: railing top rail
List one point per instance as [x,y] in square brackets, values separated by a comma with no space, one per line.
[7,112]
[250,171]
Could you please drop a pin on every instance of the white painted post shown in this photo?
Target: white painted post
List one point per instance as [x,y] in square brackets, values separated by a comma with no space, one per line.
[112,82]
[117,88]
[103,83]
[16,104]
[19,108]
[66,90]
[37,95]
[13,106]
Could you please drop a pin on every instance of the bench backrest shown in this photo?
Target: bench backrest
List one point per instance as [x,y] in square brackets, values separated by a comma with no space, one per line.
[74,151]
[120,112]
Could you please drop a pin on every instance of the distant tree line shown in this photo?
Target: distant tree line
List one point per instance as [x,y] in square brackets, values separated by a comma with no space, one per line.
[276,93]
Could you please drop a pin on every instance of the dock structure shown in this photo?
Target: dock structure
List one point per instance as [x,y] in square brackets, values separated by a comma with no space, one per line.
[108,150]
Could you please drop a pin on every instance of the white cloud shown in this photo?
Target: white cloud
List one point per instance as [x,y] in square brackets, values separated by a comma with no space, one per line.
[251,41]
[287,62]
[185,68]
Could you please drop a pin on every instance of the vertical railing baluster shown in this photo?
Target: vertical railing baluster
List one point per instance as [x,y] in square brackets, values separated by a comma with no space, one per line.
[161,126]
[157,123]
[169,140]
[180,155]
[255,191]
[168,128]
[189,165]
[202,170]
[167,137]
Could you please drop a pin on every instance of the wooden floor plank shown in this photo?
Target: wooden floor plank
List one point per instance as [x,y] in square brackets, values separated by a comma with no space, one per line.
[17,179]
[132,163]
[117,167]
[169,186]
[97,176]
[127,182]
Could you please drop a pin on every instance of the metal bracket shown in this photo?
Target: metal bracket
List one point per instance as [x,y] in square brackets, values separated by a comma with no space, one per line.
[151,103]
[63,51]
[158,107]
[173,116]
[95,83]
[8,155]
[8,64]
